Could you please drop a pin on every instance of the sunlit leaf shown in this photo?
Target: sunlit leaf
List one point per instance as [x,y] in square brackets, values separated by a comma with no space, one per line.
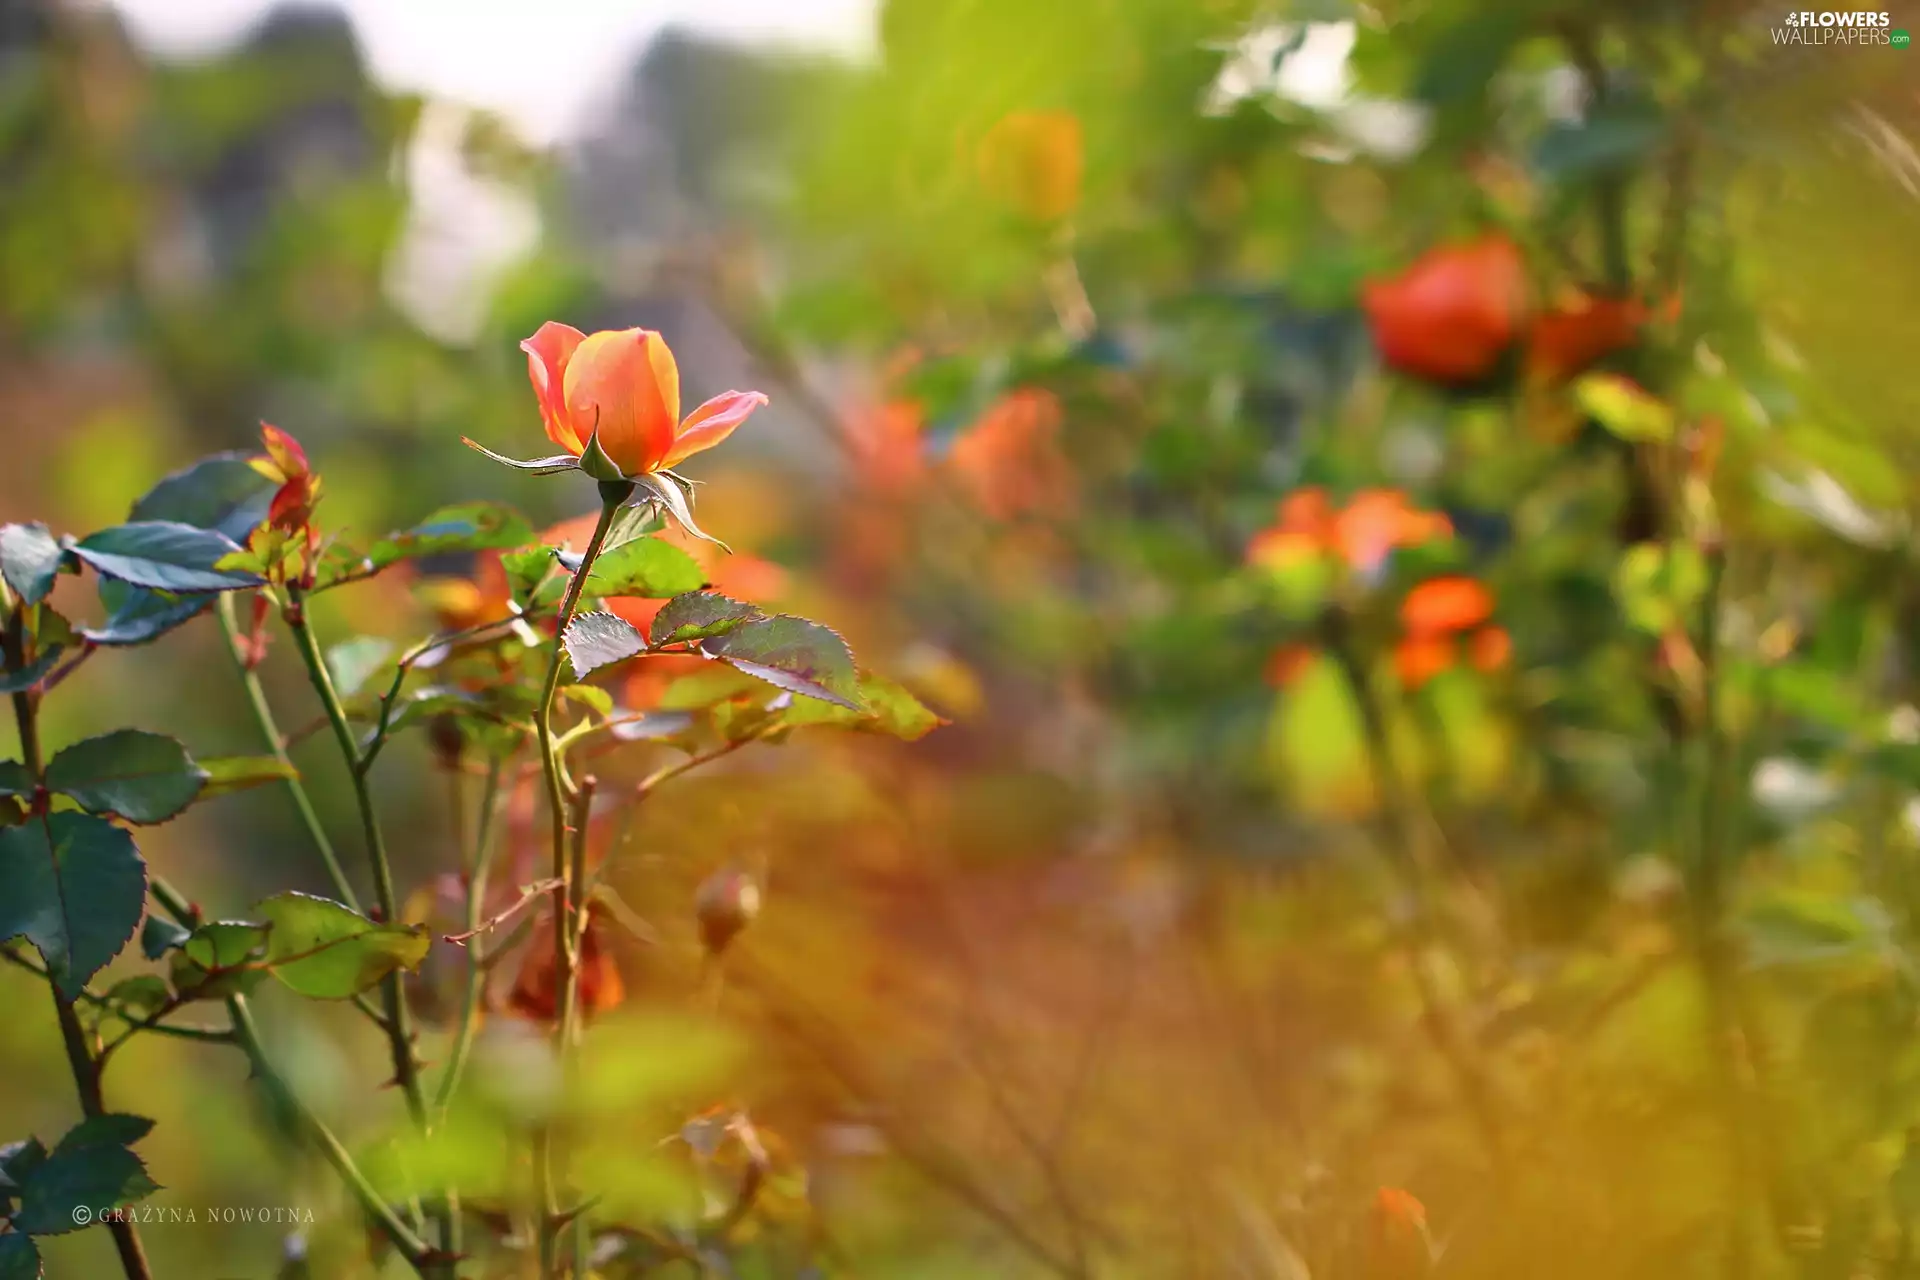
[222,492]
[594,640]
[889,709]
[240,773]
[794,654]
[649,568]
[698,615]
[136,615]
[326,951]
[30,559]
[164,556]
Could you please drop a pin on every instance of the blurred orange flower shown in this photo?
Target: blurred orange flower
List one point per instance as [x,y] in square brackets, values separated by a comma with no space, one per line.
[1034,161]
[459,604]
[1437,612]
[1009,461]
[1362,534]
[1450,315]
[623,387]
[1571,337]
[1287,664]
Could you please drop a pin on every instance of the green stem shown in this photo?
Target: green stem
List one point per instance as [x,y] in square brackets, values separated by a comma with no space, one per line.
[73,1037]
[612,495]
[477,881]
[410,1246]
[399,1021]
[277,743]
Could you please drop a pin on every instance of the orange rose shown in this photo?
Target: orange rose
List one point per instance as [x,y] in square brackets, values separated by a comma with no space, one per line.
[622,388]
[1033,161]
[1434,614]
[536,993]
[1010,462]
[1442,606]
[1360,534]
[1451,315]
[1575,335]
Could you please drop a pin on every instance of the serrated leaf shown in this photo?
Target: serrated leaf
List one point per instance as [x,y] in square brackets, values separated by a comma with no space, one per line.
[594,640]
[30,559]
[222,492]
[160,935]
[890,709]
[18,1160]
[649,568]
[142,777]
[19,1260]
[76,889]
[538,466]
[794,654]
[92,1169]
[326,951]
[698,615]
[30,675]
[351,662]
[238,773]
[136,615]
[165,556]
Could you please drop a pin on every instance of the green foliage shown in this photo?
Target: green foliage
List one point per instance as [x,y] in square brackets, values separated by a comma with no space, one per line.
[887,708]
[594,640]
[219,959]
[793,654]
[465,526]
[141,777]
[222,492]
[19,1260]
[164,556]
[698,615]
[76,889]
[90,1169]
[30,560]
[324,951]
[645,567]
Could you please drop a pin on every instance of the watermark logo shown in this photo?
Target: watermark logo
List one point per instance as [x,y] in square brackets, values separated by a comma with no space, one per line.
[1835,26]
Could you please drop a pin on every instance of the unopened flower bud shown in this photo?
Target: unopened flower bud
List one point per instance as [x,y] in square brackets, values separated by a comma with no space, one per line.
[726,902]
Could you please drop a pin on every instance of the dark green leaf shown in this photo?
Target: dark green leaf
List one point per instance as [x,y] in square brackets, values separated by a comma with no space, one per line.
[30,559]
[142,777]
[593,640]
[221,492]
[14,779]
[136,615]
[90,1169]
[698,615]
[238,773]
[36,671]
[890,709]
[328,952]
[76,889]
[18,1160]
[1613,140]
[19,1260]
[160,935]
[646,567]
[793,654]
[165,556]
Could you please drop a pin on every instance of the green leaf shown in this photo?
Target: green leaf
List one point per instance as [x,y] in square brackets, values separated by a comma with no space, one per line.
[165,556]
[30,559]
[594,699]
[890,710]
[160,935]
[220,959]
[1658,587]
[14,779]
[221,492]
[594,640]
[465,526]
[19,1260]
[1805,928]
[645,567]
[92,1169]
[136,615]
[698,615]
[76,889]
[665,491]
[140,996]
[793,654]
[352,662]
[18,1160]
[1623,408]
[531,579]
[142,777]
[538,466]
[32,674]
[327,952]
[239,773]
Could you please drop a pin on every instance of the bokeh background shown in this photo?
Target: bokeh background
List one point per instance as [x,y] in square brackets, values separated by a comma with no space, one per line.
[1121,972]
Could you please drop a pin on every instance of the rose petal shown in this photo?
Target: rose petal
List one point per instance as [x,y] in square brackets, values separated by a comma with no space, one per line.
[624,385]
[712,422]
[548,351]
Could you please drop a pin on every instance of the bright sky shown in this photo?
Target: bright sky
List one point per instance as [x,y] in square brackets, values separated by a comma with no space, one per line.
[541,63]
